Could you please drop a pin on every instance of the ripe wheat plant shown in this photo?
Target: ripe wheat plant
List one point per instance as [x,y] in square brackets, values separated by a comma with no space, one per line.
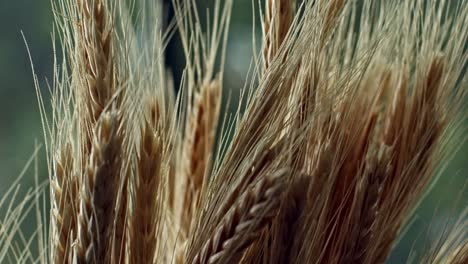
[336,138]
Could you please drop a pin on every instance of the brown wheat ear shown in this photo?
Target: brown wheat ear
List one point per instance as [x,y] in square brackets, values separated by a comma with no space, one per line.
[63,212]
[147,197]
[95,65]
[253,210]
[103,195]
[98,194]
[199,146]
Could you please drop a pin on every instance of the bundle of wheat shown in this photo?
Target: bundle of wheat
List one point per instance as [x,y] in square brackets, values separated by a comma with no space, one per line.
[342,131]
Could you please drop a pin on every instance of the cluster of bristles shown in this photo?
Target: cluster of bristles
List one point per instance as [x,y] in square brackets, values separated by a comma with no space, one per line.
[336,137]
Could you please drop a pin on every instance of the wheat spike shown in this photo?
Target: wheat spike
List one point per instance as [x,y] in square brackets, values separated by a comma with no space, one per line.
[377,167]
[98,193]
[63,198]
[244,221]
[277,246]
[96,68]
[103,196]
[199,144]
[413,150]
[147,197]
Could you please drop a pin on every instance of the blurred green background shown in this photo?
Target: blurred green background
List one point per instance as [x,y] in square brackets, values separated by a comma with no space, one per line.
[20,125]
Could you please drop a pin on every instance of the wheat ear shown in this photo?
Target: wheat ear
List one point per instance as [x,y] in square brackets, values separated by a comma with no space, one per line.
[103,190]
[377,167]
[63,211]
[415,141]
[277,245]
[98,193]
[253,210]
[147,196]
[95,64]
[199,144]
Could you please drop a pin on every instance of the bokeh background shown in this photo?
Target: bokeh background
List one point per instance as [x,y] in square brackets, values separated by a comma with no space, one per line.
[21,129]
